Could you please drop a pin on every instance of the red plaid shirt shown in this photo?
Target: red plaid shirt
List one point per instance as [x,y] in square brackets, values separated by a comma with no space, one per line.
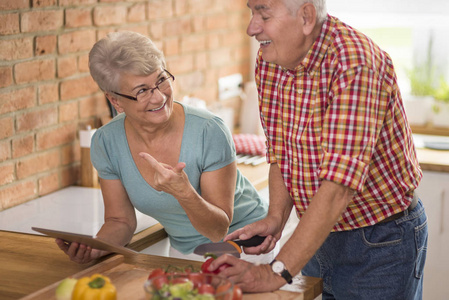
[339,117]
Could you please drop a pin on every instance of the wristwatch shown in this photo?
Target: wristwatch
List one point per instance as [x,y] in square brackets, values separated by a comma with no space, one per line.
[278,268]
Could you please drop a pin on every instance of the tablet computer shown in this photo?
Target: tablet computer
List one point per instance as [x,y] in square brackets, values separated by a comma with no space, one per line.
[94,242]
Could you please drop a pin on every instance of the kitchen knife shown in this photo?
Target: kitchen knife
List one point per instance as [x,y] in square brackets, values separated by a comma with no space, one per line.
[229,247]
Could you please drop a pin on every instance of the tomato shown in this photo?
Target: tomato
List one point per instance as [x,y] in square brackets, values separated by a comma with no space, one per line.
[156,272]
[206,288]
[177,280]
[197,279]
[159,282]
[237,293]
[206,264]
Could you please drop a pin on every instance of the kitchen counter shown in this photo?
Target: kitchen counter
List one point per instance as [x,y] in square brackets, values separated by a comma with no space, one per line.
[432,159]
[30,263]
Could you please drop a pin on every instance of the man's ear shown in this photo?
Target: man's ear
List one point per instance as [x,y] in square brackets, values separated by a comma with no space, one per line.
[113,100]
[307,13]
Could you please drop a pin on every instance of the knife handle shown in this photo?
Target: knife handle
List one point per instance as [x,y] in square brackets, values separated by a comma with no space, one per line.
[251,242]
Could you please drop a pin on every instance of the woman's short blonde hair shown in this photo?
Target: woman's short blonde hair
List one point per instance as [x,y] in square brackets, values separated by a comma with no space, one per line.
[123,52]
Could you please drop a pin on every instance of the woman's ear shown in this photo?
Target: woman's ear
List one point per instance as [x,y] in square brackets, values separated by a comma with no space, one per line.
[113,100]
[307,14]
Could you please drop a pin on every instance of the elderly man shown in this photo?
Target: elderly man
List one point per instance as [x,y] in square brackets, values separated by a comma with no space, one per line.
[341,152]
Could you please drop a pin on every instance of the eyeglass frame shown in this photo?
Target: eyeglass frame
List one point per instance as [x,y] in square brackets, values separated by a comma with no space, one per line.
[150,89]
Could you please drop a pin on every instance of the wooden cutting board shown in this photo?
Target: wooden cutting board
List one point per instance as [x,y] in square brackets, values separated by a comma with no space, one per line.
[129,276]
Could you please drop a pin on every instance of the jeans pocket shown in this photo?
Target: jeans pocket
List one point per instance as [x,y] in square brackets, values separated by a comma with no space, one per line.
[382,234]
[421,234]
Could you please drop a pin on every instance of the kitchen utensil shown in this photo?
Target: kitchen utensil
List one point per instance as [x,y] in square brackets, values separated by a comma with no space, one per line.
[229,247]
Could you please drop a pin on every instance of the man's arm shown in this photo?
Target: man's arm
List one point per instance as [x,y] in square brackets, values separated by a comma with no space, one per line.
[324,211]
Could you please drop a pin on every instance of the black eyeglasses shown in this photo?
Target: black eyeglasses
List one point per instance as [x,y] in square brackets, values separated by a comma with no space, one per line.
[163,83]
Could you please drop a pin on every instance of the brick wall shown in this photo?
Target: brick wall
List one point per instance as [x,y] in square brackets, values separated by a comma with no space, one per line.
[47,94]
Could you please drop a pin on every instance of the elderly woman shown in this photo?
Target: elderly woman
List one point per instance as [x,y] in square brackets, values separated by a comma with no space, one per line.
[170,161]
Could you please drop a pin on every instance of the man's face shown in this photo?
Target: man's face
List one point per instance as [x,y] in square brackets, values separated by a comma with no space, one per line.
[279,32]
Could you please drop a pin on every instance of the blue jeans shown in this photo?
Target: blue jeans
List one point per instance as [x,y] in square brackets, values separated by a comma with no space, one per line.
[383,262]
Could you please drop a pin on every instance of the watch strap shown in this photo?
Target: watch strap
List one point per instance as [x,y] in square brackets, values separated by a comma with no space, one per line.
[284,274]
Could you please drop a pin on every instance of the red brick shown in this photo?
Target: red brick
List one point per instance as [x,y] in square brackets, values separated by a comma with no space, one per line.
[5,76]
[181,7]
[78,87]
[34,71]
[48,183]
[67,66]
[14,49]
[216,22]
[45,45]
[90,107]
[37,163]
[156,30]
[201,6]
[7,173]
[42,20]
[192,43]
[76,41]
[17,99]
[201,61]
[14,4]
[76,2]
[37,119]
[44,3]
[70,154]
[110,15]
[142,29]
[160,9]
[60,135]
[22,146]
[16,194]
[6,127]
[178,27]
[220,57]
[83,63]
[9,24]
[5,150]
[78,17]
[136,13]
[68,111]
[179,65]
[213,41]
[171,46]
[48,93]
[70,176]
[198,23]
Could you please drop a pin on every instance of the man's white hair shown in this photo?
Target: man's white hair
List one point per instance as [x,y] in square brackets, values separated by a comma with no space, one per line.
[320,6]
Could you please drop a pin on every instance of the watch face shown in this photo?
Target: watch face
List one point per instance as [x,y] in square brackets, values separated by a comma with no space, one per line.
[278,267]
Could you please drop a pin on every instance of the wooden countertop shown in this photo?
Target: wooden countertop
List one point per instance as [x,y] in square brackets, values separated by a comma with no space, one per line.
[30,263]
[433,160]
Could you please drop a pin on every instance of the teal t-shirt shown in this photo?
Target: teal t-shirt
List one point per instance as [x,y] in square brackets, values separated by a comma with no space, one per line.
[207,145]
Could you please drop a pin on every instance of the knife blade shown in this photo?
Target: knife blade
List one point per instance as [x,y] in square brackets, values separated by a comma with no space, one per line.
[229,247]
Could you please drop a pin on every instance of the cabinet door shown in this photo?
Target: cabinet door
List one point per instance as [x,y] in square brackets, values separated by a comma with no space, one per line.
[434,193]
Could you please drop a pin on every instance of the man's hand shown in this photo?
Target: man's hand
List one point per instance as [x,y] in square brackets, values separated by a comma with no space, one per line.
[250,277]
[267,228]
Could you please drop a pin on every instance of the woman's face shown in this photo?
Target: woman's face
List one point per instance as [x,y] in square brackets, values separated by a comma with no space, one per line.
[154,105]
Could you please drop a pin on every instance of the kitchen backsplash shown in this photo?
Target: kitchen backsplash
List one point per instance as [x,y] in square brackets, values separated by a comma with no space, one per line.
[47,94]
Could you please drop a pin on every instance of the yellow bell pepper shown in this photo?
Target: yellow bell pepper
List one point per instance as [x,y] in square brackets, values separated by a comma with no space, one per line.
[95,287]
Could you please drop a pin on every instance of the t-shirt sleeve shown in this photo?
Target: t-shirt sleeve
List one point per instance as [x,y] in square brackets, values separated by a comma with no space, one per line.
[219,148]
[100,156]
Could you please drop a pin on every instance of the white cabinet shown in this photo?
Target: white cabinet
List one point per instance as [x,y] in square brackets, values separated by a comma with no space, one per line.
[434,193]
